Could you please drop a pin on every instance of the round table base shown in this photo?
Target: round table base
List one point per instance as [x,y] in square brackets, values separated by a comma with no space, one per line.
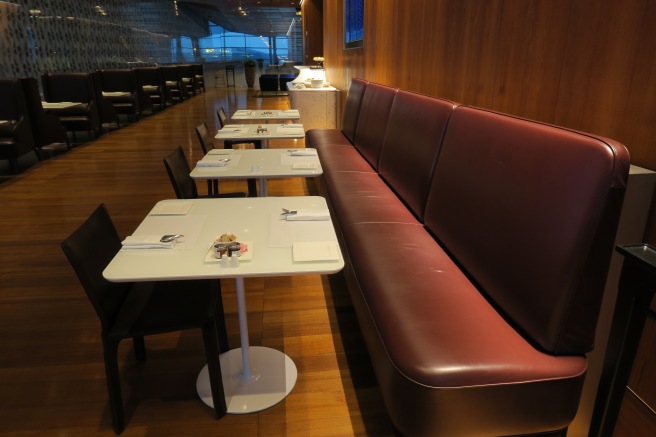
[272,377]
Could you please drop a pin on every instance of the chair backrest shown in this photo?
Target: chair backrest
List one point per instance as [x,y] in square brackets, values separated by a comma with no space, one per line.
[47,128]
[89,250]
[178,169]
[372,121]
[18,125]
[352,108]
[530,212]
[124,80]
[148,76]
[170,73]
[68,87]
[223,118]
[12,103]
[415,129]
[204,137]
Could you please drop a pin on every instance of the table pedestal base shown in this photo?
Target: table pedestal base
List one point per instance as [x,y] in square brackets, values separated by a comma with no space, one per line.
[271,378]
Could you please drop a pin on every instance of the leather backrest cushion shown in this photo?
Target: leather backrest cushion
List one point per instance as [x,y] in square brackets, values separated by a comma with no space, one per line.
[352,108]
[11,94]
[71,87]
[530,212]
[372,121]
[415,130]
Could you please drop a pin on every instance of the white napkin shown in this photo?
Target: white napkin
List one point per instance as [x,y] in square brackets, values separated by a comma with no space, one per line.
[309,214]
[146,242]
[303,152]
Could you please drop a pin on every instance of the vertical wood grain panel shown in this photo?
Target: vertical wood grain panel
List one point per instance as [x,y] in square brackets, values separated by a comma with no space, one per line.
[312,13]
[584,64]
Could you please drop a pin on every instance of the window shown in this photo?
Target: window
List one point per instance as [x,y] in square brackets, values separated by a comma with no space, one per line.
[353,23]
[223,45]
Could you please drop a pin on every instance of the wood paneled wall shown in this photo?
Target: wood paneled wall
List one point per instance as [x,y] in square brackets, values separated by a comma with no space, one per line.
[583,64]
[312,12]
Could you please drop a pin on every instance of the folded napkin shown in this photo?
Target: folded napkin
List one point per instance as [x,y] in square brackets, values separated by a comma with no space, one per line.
[309,214]
[303,152]
[146,242]
[292,126]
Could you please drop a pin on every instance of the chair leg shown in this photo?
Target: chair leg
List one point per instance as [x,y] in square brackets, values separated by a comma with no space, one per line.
[110,351]
[139,349]
[210,186]
[214,368]
[252,188]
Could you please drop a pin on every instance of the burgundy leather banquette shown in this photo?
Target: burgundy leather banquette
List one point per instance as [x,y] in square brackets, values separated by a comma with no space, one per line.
[477,247]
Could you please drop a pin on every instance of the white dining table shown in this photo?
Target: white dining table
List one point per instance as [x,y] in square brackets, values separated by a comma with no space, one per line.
[267,116]
[262,164]
[254,377]
[265,133]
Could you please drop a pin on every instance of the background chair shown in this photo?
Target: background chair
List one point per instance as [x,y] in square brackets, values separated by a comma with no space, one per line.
[184,185]
[199,74]
[269,83]
[129,310]
[123,81]
[188,78]
[150,88]
[48,132]
[16,137]
[73,87]
[173,92]
[206,143]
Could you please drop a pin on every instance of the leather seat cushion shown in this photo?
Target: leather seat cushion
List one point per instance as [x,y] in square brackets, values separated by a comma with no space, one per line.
[441,348]
[358,197]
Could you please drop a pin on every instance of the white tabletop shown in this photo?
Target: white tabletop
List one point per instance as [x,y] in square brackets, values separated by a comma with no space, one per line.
[254,219]
[271,132]
[269,163]
[261,114]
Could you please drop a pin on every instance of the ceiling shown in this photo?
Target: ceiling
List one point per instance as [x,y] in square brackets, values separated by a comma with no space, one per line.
[254,17]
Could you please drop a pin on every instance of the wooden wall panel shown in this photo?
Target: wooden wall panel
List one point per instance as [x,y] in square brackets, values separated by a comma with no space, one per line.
[584,64]
[312,13]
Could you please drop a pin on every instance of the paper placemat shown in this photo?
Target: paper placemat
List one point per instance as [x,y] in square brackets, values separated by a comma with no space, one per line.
[315,251]
[187,225]
[284,233]
[171,208]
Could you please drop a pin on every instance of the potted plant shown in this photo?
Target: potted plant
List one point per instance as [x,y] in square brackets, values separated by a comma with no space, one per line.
[249,71]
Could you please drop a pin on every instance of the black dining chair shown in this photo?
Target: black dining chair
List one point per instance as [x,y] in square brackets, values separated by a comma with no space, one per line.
[184,185]
[206,143]
[135,310]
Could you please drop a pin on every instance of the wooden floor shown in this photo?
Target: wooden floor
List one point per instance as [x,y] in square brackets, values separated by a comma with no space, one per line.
[51,369]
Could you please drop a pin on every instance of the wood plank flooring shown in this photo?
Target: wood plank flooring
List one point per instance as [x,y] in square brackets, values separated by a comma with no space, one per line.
[51,369]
